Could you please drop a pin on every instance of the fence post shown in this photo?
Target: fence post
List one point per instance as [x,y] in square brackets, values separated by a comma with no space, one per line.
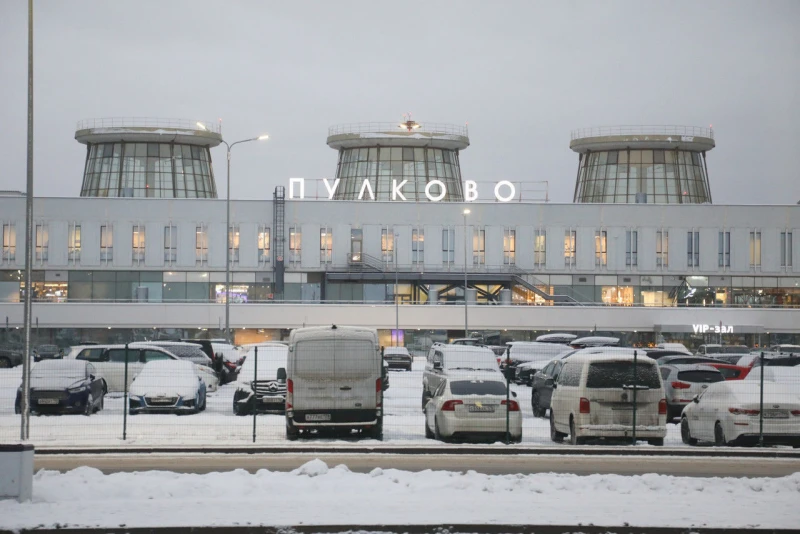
[255,398]
[761,405]
[635,380]
[508,406]
[125,398]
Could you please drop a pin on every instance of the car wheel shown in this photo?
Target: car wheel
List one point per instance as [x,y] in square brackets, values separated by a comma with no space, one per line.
[101,404]
[719,435]
[573,436]
[291,432]
[5,363]
[555,435]
[686,435]
[436,433]
[89,409]
[535,400]
[428,433]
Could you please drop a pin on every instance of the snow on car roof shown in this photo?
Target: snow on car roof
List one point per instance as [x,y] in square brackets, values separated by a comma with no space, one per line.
[325,332]
[609,355]
[60,365]
[395,350]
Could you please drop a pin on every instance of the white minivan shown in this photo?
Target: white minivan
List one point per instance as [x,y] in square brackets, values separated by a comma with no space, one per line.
[594,398]
[334,381]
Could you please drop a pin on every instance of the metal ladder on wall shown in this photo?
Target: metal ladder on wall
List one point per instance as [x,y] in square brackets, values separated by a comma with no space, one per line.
[279,233]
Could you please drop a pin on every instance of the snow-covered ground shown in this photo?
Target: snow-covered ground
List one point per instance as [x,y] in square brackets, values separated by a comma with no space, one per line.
[217,426]
[319,494]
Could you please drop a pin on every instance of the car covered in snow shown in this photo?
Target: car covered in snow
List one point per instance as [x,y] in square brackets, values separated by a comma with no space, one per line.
[171,386]
[444,359]
[729,413]
[469,405]
[397,358]
[64,386]
[261,381]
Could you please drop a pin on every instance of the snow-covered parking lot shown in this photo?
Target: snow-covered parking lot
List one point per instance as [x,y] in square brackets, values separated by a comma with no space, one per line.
[217,426]
[313,495]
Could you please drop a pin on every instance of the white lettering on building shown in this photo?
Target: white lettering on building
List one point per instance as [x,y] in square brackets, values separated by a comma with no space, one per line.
[442,189]
[301,182]
[366,185]
[396,189]
[331,190]
[510,186]
[712,329]
[470,190]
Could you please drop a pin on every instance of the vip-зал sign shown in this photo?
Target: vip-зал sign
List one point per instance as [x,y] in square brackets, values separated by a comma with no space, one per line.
[712,329]
[435,190]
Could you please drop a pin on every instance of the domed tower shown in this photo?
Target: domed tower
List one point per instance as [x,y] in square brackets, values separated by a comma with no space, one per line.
[373,155]
[155,158]
[643,164]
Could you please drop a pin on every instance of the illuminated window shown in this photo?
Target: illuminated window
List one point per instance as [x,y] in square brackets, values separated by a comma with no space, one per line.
[539,248]
[106,244]
[509,246]
[479,246]
[138,244]
[74,243]
[201,245]
[233,243]
[325,245]
[387,245]
[601,248]
[9,243]
[295,244]
[569,248]
[263,245]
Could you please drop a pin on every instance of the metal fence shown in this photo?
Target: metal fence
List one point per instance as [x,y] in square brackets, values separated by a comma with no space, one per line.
[340,390]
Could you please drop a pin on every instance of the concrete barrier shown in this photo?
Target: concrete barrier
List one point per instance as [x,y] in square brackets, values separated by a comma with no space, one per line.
[16,472]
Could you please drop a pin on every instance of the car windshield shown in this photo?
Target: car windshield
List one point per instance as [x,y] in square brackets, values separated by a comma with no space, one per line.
[58,369]
[48,348]
[477,387]
[735,349]
[270,359]
[621,374]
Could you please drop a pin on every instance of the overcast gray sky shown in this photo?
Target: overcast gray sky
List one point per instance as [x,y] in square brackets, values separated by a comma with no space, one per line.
[522,74]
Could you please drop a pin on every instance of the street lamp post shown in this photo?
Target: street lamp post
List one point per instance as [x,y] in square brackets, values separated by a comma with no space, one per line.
[396,301]
[466,237]
[228,231]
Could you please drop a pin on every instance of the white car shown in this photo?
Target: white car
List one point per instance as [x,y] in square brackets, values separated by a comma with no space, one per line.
[594,398]
[784,375]
[472,405]
[167,386]
[728,413]
[444,359]
[193,353]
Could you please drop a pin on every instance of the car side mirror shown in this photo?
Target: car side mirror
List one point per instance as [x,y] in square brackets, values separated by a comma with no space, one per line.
[514,394]
[549,382]
[281,373]
[696,399]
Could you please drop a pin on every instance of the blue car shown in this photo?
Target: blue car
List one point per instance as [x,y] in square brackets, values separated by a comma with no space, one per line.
[64,386]
[167,386]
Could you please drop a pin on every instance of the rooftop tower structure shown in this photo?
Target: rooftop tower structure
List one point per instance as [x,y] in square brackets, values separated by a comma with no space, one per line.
[642,164]
[373,156]
[156,158]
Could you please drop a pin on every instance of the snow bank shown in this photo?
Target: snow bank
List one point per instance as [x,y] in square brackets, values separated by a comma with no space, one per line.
[317,494]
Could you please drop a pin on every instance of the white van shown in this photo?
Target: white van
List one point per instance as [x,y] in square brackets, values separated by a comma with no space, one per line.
[334,381]
[593,398]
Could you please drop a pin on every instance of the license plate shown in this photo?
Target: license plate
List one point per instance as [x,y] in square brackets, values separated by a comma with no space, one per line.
[480,409]
[776,414]
[48,401]
[318,417]
[271,399]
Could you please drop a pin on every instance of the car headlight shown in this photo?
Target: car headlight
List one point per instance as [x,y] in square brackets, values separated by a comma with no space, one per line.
[77,389]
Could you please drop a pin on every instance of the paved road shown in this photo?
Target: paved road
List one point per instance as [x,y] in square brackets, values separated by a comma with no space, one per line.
[495,465]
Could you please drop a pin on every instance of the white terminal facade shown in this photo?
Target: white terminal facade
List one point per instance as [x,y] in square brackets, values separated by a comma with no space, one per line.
[642,253]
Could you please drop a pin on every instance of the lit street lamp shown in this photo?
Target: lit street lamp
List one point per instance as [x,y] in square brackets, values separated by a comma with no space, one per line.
[466,323]
[228,233]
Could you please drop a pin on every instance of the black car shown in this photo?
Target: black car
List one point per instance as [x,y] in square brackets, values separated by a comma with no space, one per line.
[47,352]
[542,387]
[10,357]
[397,358]
[64,386]
[217,361]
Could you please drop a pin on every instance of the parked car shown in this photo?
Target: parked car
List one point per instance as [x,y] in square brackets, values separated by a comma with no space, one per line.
[594,341]
[109,362]
[10,357]
[678,347]
[217,364]
[334,381]
[167,386]
[64,386]
[444,359]
[47,352]
[728,413]
[261,383]
[193,353]
[785,348]
[785,375]
[682,359]
[594,397]
[561,339]
[726,353]
[731,372]
[683,381]
[230,360]
[779,360]
[472,406]
[397,358]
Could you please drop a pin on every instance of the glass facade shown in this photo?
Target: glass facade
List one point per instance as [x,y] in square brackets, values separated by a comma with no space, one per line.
[381,165]
[643,177]
[155,170]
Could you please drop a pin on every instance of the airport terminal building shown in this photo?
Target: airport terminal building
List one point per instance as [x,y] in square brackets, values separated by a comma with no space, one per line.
[399,240]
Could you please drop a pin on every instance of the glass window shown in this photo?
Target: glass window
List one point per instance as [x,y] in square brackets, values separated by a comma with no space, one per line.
[9,243]
[693,249]
[632,248]
[119,355]
[170,244]
[479,246]
[233,243]
[477,387]
[448,245]
[106,244]
[263,245]
[724,259]
[539,248]
[295,244]
[569,248]
[74,243]
[601,248]
[387,245]
[662,248]
[509,246]
[621,374]
[325,245]
[201,245]
[418,245]
[138,244]
[42,243]
[755,249]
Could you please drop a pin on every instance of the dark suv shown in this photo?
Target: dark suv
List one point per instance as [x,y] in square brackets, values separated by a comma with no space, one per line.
[10,357]
[47,352]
